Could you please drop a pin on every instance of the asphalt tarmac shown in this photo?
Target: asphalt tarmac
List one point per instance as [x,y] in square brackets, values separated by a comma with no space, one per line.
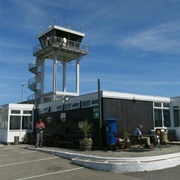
[27,162]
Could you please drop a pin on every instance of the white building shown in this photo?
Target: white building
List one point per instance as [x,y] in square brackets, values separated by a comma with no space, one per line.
[15,121]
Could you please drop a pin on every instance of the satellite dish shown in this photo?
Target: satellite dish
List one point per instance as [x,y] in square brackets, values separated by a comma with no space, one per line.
[64,40]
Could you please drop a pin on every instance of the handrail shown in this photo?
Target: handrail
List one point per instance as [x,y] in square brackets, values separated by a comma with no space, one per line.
[32,84]
[31,81]
[57,41]
[32,65]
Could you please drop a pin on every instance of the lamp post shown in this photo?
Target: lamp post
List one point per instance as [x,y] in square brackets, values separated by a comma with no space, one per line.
[22,94]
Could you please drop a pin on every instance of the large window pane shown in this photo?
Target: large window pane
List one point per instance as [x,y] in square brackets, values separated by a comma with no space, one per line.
[15,122]
[27,122]
[167,122]
[158,117]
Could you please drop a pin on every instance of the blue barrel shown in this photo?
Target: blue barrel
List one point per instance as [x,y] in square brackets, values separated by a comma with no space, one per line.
[111,131]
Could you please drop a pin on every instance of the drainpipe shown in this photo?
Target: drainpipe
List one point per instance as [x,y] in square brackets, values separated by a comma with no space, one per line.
[100,114]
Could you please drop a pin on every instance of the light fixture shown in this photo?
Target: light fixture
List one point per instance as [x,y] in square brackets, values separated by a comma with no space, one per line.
[48,119]
[22,94]
[134,99]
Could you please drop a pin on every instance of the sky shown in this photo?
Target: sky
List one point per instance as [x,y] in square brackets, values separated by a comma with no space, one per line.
[134,45]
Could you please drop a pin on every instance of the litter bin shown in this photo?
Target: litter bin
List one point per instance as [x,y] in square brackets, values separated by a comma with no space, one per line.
[111,132]
[16,140]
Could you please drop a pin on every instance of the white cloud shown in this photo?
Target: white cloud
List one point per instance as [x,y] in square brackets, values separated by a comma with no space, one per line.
[15,44]
[163,39]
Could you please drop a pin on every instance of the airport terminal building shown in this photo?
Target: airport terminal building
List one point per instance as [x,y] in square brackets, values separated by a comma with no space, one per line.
[62,111]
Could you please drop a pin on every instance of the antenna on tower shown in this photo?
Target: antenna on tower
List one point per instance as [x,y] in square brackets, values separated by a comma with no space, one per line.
[68,26]
[55,18]
[81,27]
[49,23]
[41,29]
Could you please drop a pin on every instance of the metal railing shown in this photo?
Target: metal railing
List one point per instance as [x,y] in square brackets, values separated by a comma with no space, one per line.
[31,99]
[32,84]
[59,42]
[32,64]
[33,67]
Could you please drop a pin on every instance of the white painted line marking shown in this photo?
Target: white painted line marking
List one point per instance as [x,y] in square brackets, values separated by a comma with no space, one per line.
[8,148]
[24,162]
[48,174]
[17,153]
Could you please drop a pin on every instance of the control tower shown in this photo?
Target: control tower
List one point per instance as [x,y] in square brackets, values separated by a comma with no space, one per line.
[58,44]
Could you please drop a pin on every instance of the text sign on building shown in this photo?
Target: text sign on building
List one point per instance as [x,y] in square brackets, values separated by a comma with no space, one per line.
[63,117]
[96,113]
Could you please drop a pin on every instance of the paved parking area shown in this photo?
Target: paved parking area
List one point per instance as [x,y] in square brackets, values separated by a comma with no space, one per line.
[19,163]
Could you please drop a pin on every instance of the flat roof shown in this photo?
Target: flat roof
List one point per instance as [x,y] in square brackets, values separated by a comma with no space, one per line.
[61,29]
[112,95]
[131,96]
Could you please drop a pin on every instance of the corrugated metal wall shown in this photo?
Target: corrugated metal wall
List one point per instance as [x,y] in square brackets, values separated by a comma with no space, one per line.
[129,113]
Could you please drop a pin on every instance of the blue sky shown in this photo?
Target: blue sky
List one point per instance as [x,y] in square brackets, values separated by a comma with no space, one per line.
[134,45]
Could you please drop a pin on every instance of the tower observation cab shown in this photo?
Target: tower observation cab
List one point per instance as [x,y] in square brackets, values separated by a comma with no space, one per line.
[57,44]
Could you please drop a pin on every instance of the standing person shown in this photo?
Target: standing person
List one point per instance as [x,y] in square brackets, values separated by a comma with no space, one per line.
[138,132]
[40,126]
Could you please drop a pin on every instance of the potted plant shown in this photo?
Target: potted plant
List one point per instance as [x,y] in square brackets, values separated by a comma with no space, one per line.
[127,142]
[86,128]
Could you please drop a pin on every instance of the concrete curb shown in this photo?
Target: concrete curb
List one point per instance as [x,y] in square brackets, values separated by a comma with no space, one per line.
[115,164]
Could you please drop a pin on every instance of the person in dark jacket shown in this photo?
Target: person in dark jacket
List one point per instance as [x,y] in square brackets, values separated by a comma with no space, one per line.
[138,132]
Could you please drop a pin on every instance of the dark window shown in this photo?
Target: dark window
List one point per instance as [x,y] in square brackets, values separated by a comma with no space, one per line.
[15,122]
[157,104]
[86,103]
[95,102]
[46,109]
[75,105]
[158,117]
[27,112]
[176,117]
[165,104]
[27,122]
[15,111]
[59,107]
[67,106]
[167,122]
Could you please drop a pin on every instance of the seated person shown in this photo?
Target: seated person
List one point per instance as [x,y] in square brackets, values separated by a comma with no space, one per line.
[138,132]
[118,139]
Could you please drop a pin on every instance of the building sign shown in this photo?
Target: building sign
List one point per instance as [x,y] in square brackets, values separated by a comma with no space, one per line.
[96,112]
[63,117]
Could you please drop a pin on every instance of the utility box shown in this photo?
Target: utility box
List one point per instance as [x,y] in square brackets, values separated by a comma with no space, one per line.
[111,131]
[16,140]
